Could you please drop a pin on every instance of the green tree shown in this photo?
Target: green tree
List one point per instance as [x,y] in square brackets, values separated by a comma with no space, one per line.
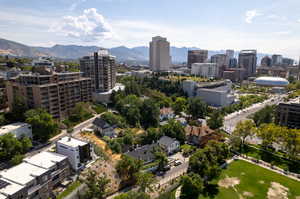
[145,181]
[43,124]
[82,111]
[197,108]
[17,159]
[244,129]
[265,115]
[149,113]
[133,195]
[19,107]
[192,186]
[179,105]
[174,129]
[2,120]
[96,186]
[127,169]
[216,120]
[162,159]
[114,119]
[26,144]
[151,135]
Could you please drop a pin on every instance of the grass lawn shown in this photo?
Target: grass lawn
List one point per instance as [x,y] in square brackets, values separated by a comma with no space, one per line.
[254,182]
[69,190]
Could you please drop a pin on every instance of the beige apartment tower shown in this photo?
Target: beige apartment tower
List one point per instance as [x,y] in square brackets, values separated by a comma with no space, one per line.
[159,54]
[57,93]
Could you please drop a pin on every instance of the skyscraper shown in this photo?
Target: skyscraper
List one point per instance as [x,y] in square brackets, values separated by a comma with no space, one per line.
[276,60]
[266,61]
[196,56]
[248,61]
[229,56]
[220,60]
[159,54]
[101,68]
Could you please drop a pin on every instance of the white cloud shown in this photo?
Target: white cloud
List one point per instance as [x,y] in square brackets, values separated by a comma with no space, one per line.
[251,14]
[299,20]
[89,27]
[75,4]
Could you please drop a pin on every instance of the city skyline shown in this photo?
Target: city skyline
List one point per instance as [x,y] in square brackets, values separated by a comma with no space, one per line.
[270,26]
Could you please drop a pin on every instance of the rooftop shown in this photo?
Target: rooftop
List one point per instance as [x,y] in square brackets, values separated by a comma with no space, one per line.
[22,173]
[69,141]
[45,159]
[11,127]
[167,141]
[8,188]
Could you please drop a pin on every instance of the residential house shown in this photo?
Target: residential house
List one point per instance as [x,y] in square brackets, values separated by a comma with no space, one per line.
[18,130]
[144,153]
[200,135]
[166,114]
[171,145]
[104,128]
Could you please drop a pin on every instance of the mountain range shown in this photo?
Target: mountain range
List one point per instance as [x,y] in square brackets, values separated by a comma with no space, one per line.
[124,54]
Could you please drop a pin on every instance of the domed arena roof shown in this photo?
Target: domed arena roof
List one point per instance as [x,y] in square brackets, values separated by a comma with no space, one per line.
[271,81]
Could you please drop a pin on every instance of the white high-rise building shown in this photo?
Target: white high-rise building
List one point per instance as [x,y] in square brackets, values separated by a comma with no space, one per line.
[229,55]
[160,59]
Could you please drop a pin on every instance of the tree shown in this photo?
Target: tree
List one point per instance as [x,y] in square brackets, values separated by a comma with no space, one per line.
[192,186]
[80,112]
[187,149]
[179,105]
[197,108]
[268,133]
[43,124]
[265,115]
[17,159]
[145,181]
[244,129]
[127,168]
[174,129]
[151,135]
[149,113]
[19,107]
[2,120]
[216,120]
[11,147]
[162,159]
[133,195]
[96,186]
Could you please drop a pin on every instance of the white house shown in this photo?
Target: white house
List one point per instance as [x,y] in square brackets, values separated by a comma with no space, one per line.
[17,129]
[166,114]
[77,151]
[171,145]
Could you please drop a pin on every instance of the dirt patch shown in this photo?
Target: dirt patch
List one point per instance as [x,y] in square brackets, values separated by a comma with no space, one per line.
[277,191]
[100,143]
[297,197]
[261,182]
[248,194]
[229,182]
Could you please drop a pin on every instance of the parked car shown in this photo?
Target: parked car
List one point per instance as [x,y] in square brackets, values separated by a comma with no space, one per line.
[177,163]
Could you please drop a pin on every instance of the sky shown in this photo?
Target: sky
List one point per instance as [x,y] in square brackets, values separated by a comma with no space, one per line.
[270,26]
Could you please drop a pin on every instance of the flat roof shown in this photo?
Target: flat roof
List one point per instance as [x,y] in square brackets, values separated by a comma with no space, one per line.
[22,173]
[2,196]
[10,127]
[10,189]
[45,159]
[69,141]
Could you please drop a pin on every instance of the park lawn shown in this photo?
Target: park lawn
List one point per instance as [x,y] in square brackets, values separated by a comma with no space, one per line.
[255,180]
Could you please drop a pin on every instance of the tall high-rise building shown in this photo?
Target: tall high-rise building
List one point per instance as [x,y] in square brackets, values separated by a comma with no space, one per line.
[233,63]
[101,68]
[287,62]
[248,61]
[196,56]
[159,54]
[57,93]
[266,61]
[276,60]
[229,56]
[220,61]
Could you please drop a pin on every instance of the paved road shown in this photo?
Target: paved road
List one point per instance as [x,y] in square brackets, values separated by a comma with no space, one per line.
[231,120]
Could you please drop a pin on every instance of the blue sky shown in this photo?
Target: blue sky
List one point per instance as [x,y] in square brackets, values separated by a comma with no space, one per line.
[270,26]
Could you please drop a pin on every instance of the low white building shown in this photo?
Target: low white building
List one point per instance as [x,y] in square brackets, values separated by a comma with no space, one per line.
[207,70]
[77,151]
[17,129]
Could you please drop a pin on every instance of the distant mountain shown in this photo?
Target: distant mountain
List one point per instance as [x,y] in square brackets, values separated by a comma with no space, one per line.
[130,55]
